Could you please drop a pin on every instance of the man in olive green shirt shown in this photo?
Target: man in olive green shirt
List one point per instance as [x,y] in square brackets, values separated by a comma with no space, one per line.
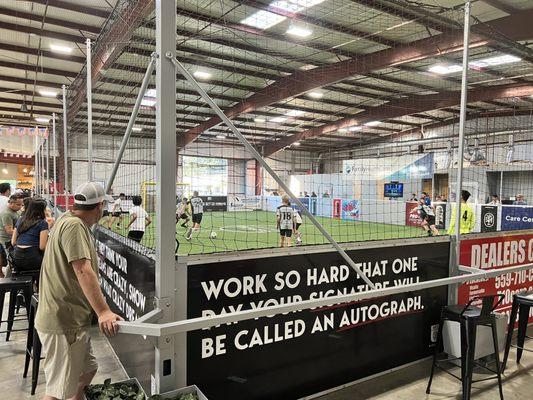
[8,218]
[68,293]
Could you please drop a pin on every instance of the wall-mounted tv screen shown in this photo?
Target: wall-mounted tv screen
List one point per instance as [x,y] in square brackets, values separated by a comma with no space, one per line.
[393,189]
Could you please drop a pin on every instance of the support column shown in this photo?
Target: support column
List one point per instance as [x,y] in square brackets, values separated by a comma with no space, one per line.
[54,150]
[89,113]
[65,140]
[170,352]
[462,122]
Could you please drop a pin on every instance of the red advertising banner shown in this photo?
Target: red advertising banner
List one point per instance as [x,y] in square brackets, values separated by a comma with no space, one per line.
[498,253]
[412,218]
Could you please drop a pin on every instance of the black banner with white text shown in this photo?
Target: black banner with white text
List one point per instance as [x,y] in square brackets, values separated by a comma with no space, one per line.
[301,353]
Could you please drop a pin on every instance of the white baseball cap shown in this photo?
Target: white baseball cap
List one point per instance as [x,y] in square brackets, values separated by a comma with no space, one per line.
[90,193]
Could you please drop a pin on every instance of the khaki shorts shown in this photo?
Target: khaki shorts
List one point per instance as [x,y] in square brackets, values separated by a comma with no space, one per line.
[67,356]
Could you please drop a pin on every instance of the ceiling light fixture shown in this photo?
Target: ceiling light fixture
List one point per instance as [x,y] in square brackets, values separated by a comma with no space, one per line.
[442,69]
[316,95]
[42,120]
[294,113]
[299,31]
[355,128]
[278,119]
[136,129]
[373,123]
[47,93]
[296,144]
[259,120]
[221,136]
[265,19]
[342,130]
[494,61]
[5,171]
[61,48]
[25,170]
[202,75]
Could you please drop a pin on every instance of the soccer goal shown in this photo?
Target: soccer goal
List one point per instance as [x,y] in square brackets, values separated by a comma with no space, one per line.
[148,193]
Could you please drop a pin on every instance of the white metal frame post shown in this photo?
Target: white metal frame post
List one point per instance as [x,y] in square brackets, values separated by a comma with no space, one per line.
[54,150]
[462,122]
[36,169]
[89,113]
[169,372]
[47,174]
[65,144]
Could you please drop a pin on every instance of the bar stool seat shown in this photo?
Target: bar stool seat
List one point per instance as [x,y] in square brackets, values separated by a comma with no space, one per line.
[13,286]
[522,303]
[469,318]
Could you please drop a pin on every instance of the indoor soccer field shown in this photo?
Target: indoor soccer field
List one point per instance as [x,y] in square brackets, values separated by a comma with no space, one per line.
[247,230]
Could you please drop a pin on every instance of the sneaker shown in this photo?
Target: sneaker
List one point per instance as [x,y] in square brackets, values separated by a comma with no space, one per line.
[188,234]
[299,241]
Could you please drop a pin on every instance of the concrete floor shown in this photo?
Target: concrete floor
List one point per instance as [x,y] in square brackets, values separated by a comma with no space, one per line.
[406,384]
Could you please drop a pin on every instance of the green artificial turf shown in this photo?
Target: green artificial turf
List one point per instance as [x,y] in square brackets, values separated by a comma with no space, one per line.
[247,230]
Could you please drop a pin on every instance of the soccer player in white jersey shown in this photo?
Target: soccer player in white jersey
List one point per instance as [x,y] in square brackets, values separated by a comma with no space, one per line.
[285,221]
[117,212]
[197,212]
[428,217]
[139,220]
[297,223]
[181,213]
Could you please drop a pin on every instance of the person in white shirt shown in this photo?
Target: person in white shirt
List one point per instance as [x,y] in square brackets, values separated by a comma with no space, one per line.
[139,220]
[5,192]
[117,212]
[285,221]
[197,212]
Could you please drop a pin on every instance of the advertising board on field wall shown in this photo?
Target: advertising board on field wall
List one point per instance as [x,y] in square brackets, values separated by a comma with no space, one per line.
[498,252]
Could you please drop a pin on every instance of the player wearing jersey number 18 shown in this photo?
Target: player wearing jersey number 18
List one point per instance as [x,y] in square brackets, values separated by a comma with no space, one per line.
[285,221]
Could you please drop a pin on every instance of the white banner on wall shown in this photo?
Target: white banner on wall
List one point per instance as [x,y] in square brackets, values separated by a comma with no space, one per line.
[409,166]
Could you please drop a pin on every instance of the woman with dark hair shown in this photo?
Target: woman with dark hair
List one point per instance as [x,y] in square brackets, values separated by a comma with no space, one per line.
[30,236]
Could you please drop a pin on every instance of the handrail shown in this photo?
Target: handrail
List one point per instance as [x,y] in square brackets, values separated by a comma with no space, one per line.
[192,324]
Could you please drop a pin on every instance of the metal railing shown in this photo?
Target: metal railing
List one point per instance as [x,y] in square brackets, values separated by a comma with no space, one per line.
[145,325]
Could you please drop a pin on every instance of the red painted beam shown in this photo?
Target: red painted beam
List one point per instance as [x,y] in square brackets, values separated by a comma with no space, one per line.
[407,106]
[515,27]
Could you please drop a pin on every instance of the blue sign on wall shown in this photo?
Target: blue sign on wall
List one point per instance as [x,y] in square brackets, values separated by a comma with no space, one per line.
[516,218]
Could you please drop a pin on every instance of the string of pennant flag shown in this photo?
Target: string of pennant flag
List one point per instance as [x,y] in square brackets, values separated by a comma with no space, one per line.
[23,131]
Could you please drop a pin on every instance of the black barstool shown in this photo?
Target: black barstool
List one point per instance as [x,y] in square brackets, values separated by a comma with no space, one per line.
[13,286]
[521,302]
[469,318]
[33,346]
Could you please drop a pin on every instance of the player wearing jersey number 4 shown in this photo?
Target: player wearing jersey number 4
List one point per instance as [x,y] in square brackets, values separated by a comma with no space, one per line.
[285,221]
[197,212]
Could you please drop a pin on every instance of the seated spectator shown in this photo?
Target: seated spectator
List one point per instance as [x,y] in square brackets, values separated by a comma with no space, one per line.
[30,237]
[519,200]
[495,200]
[8,219]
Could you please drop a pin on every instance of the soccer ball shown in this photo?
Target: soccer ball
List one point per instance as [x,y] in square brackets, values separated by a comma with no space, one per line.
[213,235]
